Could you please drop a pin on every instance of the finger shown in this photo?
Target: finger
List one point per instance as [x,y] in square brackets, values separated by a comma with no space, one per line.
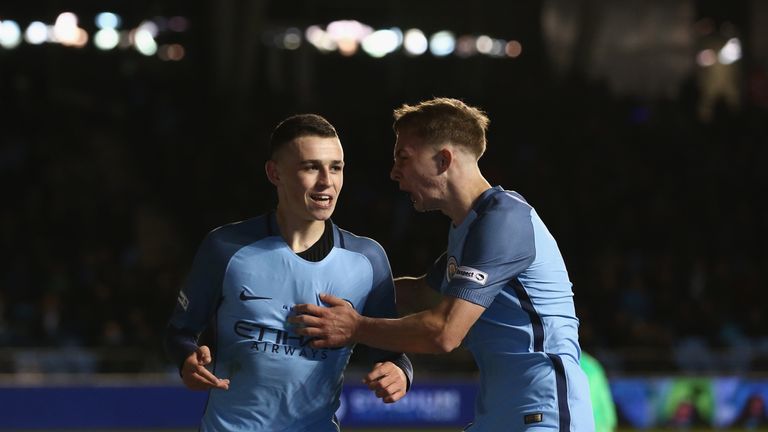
[333,300]
[207,375]
[394,397]
[374,374]
[196,382]
[389,383]
[305,320]
[374,377]
[308,309]
[200,383]
[203,355]
[309,331]
[323,343]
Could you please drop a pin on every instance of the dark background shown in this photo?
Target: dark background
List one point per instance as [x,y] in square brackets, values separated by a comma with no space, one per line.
[113,165]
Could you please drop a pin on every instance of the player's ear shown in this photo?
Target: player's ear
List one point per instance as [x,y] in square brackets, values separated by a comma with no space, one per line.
[444,160]
[273,174]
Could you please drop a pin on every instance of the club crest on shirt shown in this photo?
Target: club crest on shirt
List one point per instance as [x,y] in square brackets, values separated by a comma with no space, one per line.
[450,269]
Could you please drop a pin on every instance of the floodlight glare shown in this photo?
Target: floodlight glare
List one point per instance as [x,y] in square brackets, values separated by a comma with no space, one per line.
[730,52]
[382,42]
[144,42]
[514,49]
[65,29]
[484,44]
[10,34]
[442,43]
[415,42]
[706,58]
[291,39]
[107,20]
[106,39]
[36,33]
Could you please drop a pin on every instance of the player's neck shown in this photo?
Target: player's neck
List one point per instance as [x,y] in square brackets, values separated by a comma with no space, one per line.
[300,235]
[463,195]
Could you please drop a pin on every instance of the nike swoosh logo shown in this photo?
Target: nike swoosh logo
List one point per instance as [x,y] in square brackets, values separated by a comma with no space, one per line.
[245,297]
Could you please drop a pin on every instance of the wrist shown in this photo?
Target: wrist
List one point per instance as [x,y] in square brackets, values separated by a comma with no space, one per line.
[361,331]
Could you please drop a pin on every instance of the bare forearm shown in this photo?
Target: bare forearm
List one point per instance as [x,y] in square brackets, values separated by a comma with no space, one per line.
[423,332]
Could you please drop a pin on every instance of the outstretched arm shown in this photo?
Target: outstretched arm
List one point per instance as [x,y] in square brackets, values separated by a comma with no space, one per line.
[437,330]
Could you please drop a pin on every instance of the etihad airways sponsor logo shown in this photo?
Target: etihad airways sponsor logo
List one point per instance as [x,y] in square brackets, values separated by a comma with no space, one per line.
[277,341]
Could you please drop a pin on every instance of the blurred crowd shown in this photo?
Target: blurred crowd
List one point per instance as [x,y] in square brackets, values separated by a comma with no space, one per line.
[108,190]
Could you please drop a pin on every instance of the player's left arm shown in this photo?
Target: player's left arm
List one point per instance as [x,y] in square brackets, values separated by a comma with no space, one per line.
[392,372]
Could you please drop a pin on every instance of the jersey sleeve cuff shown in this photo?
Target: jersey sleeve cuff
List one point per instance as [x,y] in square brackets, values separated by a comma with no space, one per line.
[470,295]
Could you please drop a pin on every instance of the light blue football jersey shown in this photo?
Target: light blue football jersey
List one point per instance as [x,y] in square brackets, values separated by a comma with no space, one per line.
[247,279]
[526,346]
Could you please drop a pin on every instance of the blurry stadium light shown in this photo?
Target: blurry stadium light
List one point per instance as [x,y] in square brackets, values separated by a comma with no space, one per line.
[498,48]
[442,43]
[466,46]
[706,58]
[144,42]
[382,42]
[320,39]
[148,26]
[484,44]
[81,40]
[415,43]
[513,49]
[36,33]
[172,52]
[161,23]
[291,39]
[65,30]
[178,24]
[347,34]
[730,52]
[106,39]
[108,20]
[10,34]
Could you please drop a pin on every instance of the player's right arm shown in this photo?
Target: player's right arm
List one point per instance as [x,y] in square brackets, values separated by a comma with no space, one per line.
[433,331]
[197,301]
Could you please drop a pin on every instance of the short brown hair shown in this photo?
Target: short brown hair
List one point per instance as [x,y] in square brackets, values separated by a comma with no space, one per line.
[444,119]
[298,126]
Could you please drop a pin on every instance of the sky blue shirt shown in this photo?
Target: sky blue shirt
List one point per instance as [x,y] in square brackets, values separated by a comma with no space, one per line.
[247,279]
[502,257]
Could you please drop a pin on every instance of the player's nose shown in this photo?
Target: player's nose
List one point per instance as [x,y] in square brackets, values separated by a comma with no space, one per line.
[394,174]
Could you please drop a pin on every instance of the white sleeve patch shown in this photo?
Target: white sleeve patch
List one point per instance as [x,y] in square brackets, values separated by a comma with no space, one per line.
[183,300]
[471,274]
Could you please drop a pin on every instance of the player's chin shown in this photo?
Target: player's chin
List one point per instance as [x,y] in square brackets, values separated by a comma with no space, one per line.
[322,213]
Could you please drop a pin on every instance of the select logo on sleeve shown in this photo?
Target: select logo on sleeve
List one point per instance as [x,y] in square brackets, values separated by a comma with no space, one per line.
[471,274]
[183,300]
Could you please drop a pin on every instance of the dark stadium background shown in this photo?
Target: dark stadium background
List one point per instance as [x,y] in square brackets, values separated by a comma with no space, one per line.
[649,166]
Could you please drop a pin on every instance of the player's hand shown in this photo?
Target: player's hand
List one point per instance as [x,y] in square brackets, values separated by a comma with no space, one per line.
[332,326]
[195,375]
[388,382]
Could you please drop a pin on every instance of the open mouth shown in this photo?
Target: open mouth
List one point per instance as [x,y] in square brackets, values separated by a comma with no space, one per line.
[323,200]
